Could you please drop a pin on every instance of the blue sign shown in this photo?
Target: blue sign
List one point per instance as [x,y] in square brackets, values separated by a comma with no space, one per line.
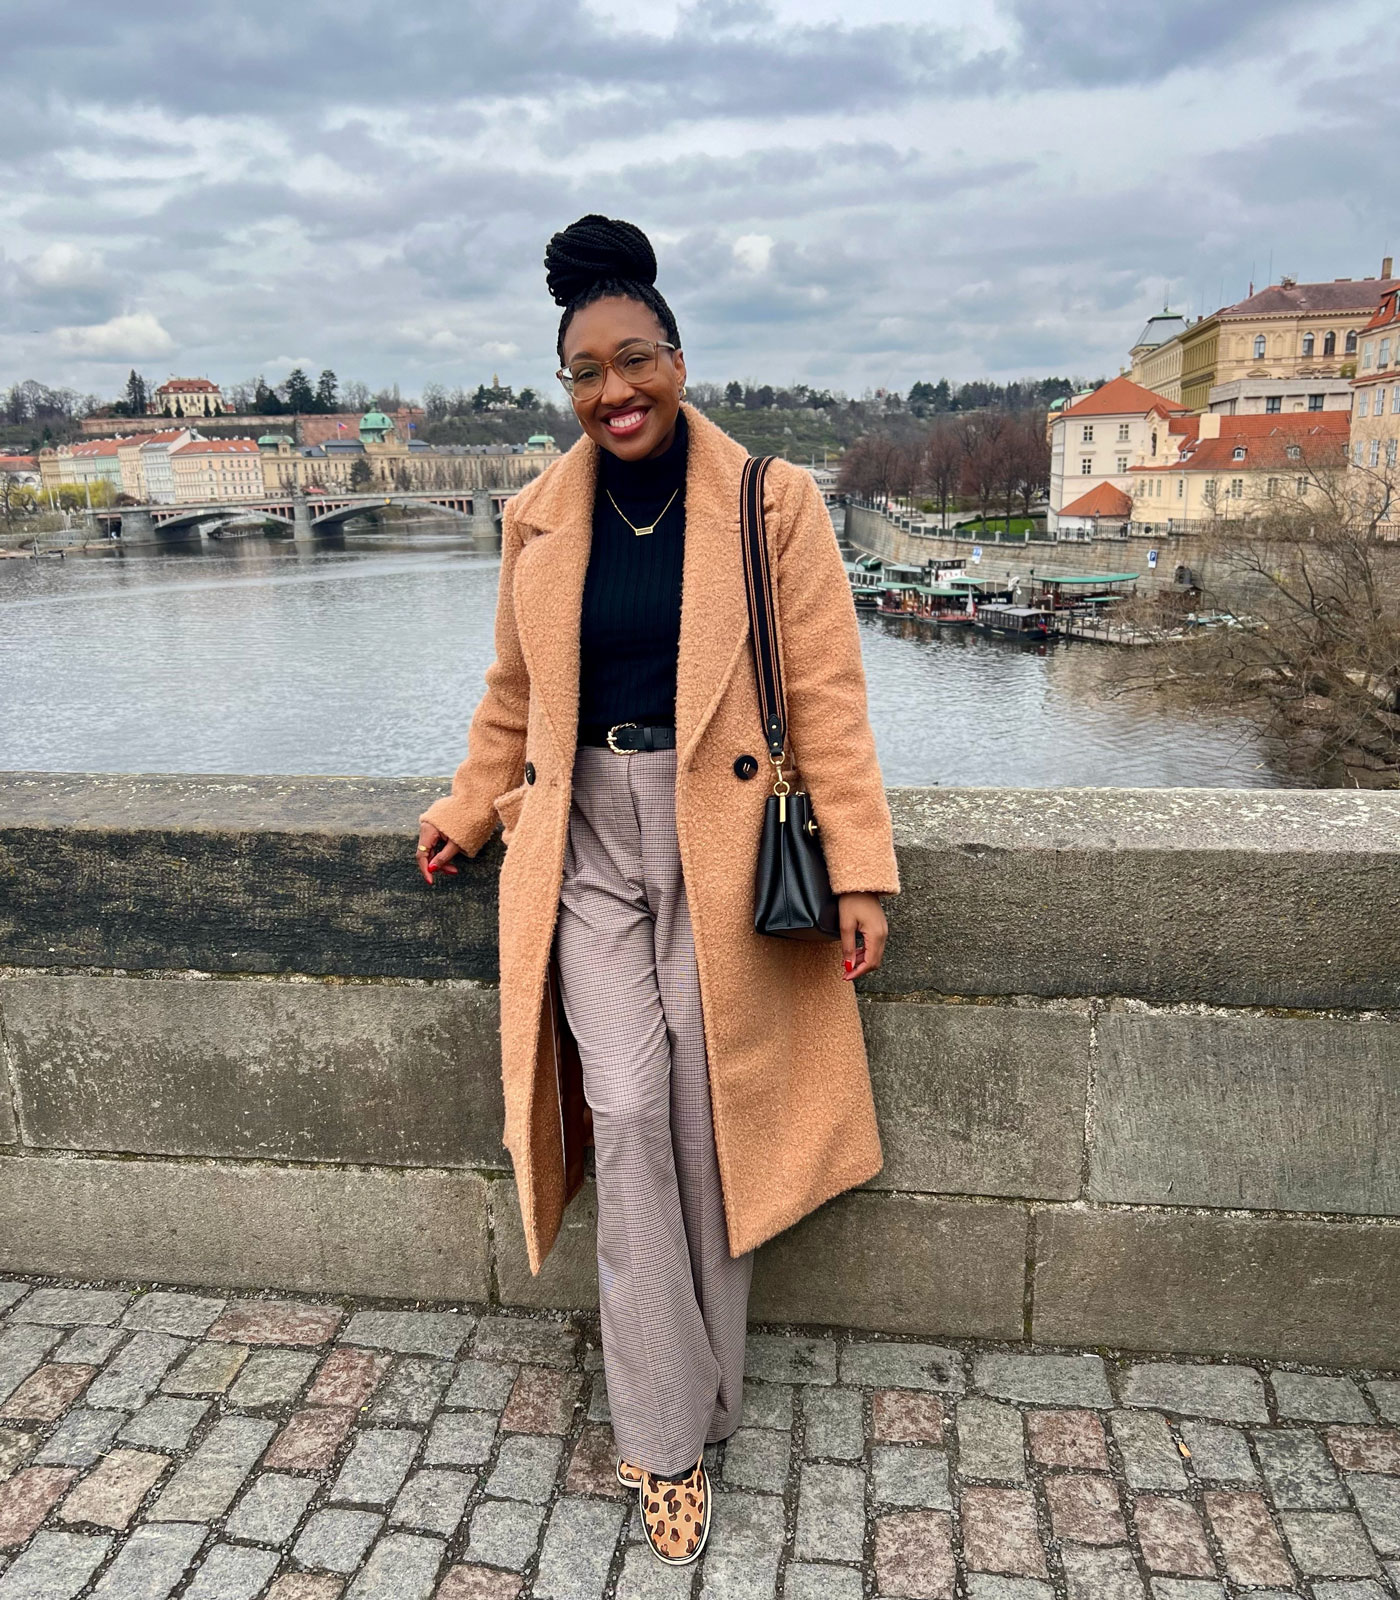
[1152,558]
[977,552]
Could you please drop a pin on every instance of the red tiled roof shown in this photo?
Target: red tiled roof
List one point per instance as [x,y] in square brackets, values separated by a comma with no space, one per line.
[165,437]
[1296,299]
[19,463]
[1387,312]
[188,386]
[1121,397]
[1103,500]
[214,447]
[98,447]
[1320,445]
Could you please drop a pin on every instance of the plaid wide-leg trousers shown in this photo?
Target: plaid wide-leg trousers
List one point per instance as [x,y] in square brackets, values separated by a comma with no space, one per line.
[674,1301]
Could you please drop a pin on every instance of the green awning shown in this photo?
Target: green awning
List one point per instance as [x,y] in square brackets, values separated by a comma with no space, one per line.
[1091,578]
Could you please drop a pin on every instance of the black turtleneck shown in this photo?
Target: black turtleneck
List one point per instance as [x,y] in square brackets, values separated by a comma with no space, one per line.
[630,628]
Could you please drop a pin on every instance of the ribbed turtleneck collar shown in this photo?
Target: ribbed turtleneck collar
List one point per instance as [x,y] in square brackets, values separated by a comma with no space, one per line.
[636,479]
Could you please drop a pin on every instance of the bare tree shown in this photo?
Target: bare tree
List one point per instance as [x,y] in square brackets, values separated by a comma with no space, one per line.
[1306,590]
[942,463]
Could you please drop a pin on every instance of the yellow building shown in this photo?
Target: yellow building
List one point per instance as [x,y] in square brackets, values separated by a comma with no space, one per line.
[1289,330]
[217,469]
[1156,357]
[1232,467]
[1375,415]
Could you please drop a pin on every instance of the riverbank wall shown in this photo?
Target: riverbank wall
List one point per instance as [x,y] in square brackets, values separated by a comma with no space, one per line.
[1134,1054]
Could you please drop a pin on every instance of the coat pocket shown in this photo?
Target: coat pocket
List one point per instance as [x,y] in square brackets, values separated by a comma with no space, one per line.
[508,809]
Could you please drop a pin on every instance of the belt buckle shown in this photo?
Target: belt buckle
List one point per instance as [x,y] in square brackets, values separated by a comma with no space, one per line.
[617,749]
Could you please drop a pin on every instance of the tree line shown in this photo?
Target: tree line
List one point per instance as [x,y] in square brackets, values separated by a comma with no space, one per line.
[991,459]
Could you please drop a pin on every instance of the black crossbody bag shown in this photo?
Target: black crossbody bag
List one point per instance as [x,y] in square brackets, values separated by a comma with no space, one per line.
[792,891]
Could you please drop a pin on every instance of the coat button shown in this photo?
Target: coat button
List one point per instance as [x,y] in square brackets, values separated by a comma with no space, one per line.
[529,772]
[745,766]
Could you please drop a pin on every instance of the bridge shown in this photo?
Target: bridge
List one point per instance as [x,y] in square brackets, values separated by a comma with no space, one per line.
[307,515]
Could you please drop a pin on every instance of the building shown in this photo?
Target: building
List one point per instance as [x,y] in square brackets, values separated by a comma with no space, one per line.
[1105,509]
[21,469]
[216,469]
[187,397]
[92,462]
[1231,467]
[1289,330]
[1375,414]
[154,469]
[1099,439]
[1274,397]
[1156,357]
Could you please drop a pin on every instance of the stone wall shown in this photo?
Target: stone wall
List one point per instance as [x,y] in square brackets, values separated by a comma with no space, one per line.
[1134,1053]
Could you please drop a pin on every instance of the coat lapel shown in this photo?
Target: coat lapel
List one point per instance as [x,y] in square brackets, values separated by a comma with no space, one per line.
[551,568]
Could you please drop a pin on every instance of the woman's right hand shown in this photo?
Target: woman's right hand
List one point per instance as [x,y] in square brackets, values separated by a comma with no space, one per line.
[434,852]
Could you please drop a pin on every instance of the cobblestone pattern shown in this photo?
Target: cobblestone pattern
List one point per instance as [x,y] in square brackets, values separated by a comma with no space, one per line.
[160,1444]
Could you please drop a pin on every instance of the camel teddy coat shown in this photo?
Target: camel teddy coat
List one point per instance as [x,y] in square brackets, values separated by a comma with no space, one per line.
[793,1113]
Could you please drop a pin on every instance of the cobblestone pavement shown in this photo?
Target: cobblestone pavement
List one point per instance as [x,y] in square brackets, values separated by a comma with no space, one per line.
[157,1443]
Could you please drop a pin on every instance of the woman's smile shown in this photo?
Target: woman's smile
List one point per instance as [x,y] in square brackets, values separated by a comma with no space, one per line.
[623,424]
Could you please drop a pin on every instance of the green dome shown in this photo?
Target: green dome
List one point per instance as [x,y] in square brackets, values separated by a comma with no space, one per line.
[375,419]
[272,440]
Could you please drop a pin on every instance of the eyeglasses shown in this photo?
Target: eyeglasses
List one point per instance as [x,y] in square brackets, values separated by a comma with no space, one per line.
[635,363]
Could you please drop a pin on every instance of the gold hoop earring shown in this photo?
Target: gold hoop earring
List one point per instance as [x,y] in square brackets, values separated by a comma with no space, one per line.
[682,394]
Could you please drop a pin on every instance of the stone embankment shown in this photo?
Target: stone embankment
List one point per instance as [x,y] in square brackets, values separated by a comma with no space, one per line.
[1134,1054]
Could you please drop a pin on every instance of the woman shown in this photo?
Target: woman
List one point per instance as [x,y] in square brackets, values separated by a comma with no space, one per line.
[725,1071]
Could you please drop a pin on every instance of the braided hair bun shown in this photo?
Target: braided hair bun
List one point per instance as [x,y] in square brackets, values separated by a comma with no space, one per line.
[597,258]
[595,249]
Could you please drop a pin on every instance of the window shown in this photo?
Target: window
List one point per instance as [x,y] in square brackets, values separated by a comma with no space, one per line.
[1309,340]
[1210,490]
[1237,454]
[1395,401]
[1363,404]
[1122,433]
[1367,351]
[1180,488]
[1088,433]
[1329,344]
[1154,441]
[1383,359]
[1390,452]
[1350,347]
[1356,454]
[1086,466]
[1315,400]
[1122,464]
[1237,488]
[1379,408]
[1294,452]
[1301,485]
[1273,404]
[1374,459]
[1259,348]
[1273,487]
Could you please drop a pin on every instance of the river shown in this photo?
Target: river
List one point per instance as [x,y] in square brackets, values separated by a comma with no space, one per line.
[365,656]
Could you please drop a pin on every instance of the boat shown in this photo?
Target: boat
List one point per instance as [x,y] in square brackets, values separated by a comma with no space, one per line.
[864,577]
[1014,622]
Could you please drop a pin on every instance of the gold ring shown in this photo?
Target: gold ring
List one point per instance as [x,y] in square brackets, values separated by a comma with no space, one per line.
[423,850]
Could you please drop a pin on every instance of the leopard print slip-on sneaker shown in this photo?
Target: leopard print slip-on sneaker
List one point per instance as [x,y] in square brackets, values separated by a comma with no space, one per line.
[676,1515]
[628,1476]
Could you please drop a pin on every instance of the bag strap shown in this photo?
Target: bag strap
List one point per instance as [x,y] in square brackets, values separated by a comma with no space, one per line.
[763,631]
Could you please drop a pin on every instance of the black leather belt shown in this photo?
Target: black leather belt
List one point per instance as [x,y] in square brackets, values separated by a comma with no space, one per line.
[627,737]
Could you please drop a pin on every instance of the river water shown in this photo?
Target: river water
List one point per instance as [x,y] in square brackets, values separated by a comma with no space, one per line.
[365,656]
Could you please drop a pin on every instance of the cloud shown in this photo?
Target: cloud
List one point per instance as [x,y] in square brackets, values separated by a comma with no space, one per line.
[63,265]
[134,337]
[848,196]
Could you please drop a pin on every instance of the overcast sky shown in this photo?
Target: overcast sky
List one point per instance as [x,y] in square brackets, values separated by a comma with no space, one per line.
[843,195]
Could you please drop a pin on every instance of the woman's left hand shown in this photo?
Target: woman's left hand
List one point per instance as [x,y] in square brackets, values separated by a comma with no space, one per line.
[862,913]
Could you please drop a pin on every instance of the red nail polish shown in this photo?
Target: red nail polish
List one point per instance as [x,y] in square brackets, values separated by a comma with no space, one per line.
[849,965]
